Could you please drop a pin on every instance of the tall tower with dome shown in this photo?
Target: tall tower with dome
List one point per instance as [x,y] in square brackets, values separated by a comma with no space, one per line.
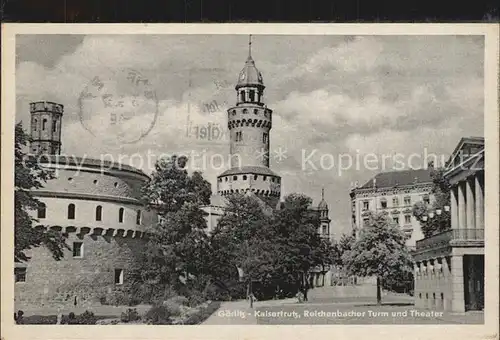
[249,124]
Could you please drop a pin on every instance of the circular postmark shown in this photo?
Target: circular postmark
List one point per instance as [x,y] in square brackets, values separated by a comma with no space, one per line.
[119,104]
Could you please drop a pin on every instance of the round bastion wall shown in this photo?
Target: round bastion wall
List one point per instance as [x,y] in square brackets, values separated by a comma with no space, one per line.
[96,205]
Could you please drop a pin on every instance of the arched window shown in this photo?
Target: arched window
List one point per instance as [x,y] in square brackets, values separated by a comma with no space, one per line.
[120,215]
[98,213]
[242,95]
[54,125]
[35,122]
[41,210]
[252,95]
[138,217]
[71,211]
[244,177]
[44,124]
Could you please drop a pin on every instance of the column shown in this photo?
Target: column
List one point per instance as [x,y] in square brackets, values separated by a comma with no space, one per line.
[461,206]
[416,277]
[457,284]
[479,203]
[470,204]
[454,208]
[446,277]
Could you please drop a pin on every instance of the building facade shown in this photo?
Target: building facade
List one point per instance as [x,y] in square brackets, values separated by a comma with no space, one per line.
[96,205]
[449,266]
[393,193]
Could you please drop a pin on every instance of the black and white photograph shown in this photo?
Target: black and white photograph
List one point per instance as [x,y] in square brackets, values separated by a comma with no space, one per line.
[250,178]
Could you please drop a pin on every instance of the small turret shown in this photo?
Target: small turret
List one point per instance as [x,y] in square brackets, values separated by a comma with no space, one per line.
[46,119]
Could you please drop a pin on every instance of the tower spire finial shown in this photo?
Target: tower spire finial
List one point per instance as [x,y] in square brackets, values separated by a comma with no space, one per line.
[322,193]
[250,46]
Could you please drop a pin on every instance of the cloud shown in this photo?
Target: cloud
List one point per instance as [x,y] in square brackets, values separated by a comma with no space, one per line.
[337,95]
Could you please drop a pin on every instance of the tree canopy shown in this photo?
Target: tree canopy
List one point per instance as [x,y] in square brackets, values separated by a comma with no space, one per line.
[441,193]
[380,251]
[30,175]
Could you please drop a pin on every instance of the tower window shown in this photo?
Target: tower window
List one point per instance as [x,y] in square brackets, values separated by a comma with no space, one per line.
[120,215]
[244,177]
[35,122]
[20,274]
[324,230]
[264,138]
[54,125]
[226,179]
[235,178]
[242,95]
[239,136]
[41,210]
[264,178]
[71,211]
[119,276]
[98,213]
[138,217]
[366,205]
[255,177]
[78,249]
[252,95]
[44,124]
[407,219]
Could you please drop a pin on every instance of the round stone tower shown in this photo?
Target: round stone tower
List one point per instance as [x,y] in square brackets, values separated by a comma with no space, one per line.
[46,118]
[249,124]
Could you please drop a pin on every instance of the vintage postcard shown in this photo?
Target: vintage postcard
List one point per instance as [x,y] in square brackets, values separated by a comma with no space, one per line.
[157,177]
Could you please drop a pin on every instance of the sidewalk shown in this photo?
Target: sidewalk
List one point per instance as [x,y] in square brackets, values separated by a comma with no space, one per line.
[240,313]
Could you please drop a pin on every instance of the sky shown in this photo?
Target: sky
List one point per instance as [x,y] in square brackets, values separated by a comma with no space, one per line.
[337,101]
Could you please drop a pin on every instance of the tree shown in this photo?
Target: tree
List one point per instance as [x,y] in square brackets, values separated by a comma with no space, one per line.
[30,175]
[243,239]
[441,193]
[178,243]
[380,251]
[296,228]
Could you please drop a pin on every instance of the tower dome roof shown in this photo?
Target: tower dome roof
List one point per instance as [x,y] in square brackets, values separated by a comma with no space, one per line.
[249,75]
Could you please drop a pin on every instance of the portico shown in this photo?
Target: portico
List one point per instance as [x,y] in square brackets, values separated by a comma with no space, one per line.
[449,266]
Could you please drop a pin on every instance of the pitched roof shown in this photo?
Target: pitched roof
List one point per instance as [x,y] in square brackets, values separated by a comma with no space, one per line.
[399,178]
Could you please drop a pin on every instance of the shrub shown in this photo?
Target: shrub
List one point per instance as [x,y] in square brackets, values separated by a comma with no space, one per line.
[86,318]
[130,315]
[196,298]
[173,307]
[158,315]
[39,320]
[179,299]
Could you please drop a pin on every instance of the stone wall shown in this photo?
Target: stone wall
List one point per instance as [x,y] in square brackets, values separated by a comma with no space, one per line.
[57,283]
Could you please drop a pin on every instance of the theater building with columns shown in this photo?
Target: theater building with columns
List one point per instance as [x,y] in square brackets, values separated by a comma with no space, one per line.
[449,266]
[96,205]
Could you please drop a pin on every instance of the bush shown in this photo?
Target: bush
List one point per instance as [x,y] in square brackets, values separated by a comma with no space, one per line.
[38,320]
[158,315]
[130,315]
[86,318]
[174,308]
